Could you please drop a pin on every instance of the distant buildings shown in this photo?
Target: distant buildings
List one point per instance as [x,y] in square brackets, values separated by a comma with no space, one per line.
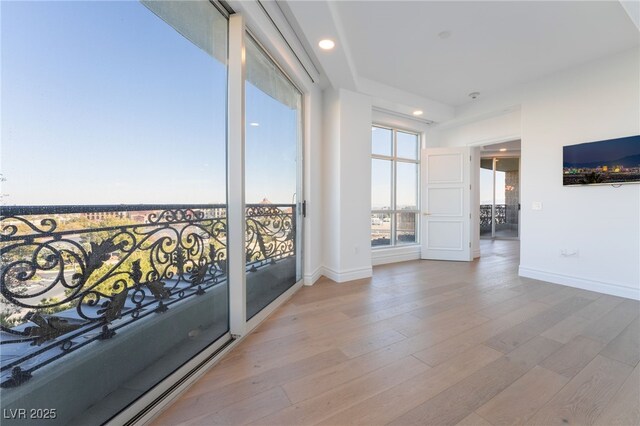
[107,215]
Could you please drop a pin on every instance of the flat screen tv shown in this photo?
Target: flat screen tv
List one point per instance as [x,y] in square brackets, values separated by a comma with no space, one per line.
[608,162]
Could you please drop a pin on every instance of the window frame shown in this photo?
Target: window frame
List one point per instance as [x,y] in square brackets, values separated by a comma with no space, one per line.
[258,317]
[393,211]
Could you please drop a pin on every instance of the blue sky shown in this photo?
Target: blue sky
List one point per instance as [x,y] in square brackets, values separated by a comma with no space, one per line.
[406,173]
[104,103]
[270,153]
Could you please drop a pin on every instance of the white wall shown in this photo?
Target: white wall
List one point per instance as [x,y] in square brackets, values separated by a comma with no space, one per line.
[331,181]
[599,100]
[502,126]
[355,193]
[347,185]
[313,181]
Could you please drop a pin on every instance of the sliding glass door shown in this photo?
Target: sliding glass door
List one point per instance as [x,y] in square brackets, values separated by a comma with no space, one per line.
[499,197]
[113,240]
[115,278]
[272,180]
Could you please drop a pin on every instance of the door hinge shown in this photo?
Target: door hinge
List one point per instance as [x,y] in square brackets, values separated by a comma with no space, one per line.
[469,245]
[304,208]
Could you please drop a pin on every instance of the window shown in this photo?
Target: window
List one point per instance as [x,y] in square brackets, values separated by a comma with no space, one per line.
[395,168]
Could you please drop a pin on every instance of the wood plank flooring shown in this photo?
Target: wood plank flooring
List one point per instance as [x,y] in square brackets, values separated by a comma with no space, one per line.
[430,343]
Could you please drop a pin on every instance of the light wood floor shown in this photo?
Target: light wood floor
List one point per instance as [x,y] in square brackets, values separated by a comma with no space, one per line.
[431,343]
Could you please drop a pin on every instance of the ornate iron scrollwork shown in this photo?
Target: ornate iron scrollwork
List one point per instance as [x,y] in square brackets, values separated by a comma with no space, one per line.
[48,328]
[486,216]
[270,234]
[77,276]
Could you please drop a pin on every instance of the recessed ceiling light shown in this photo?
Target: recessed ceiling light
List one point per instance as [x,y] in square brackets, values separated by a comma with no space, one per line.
[474,95]
[444,34]
[502,149]
[417,112]
[254,124]
[326,44]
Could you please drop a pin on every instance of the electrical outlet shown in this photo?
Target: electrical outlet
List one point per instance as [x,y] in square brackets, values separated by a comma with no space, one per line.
[536,205]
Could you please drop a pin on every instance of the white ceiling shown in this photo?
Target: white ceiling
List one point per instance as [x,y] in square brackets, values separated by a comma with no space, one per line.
[511,146]
[493,45]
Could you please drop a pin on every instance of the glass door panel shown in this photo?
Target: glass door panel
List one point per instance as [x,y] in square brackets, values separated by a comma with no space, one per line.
[272,180]
[507,197]
[486,197]
[499,197]
[114,275]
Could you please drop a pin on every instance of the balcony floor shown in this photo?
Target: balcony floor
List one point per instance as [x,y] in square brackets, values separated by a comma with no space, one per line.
[427,342]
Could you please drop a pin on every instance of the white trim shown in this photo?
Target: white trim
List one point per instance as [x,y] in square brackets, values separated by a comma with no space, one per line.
[633,10]
[283,25]
[476,253]
[310,279]
[582,283]
[271,307]
[387,114]
[491,141]
[236,256]
[395,254]
[347,275]
[263,30]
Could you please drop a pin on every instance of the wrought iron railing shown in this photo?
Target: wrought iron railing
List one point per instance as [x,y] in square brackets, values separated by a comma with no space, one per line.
[72,275]
[485,215]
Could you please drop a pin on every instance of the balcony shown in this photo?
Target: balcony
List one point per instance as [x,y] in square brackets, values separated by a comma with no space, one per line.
[84,286]
[505,218]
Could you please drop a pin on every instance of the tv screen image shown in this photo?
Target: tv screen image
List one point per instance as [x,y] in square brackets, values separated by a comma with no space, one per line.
[607,162]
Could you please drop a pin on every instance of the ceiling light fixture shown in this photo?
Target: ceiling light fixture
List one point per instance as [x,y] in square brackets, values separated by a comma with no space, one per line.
[417,112]
[444,34]
[326,44]
[502,149]
[254,124]
[474,95]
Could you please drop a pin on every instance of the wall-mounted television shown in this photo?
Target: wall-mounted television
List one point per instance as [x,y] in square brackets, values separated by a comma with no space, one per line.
[608,162]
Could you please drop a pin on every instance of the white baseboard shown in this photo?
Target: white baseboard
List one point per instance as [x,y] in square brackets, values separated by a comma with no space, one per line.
[393,255]
[582,283]
[476,253]
[310,279]
[347,275]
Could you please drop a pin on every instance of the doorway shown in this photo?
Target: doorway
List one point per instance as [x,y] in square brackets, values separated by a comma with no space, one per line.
[500,191]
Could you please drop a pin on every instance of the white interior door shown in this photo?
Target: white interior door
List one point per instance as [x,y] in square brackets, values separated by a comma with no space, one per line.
[446,203]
